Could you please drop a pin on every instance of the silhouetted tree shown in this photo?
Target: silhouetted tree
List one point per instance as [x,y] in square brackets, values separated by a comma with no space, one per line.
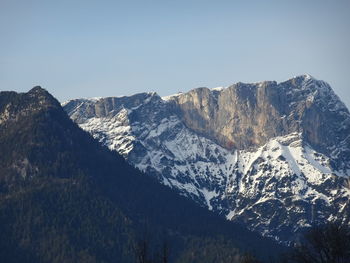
[142,252]
[145,254]
[164,257]
[324,244]
[249,258]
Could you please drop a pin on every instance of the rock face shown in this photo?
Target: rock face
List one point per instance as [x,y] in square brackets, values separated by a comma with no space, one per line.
[248,115]
[275,156]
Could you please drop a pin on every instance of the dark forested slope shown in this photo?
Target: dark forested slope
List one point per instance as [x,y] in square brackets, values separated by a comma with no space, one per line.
[65,198]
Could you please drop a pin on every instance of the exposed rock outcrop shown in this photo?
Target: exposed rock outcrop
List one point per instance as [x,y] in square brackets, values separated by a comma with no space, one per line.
[275,156]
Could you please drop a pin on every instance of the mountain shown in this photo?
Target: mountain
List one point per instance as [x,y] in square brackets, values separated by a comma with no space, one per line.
[273,156]
[66,198]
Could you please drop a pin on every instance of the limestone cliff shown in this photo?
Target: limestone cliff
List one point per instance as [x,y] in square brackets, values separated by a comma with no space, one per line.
[274,156]
[248,115]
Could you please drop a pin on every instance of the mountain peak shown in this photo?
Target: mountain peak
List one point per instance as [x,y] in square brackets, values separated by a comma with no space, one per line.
[245,151]
[13,104]
[37,89]
[302,77]
[305,76]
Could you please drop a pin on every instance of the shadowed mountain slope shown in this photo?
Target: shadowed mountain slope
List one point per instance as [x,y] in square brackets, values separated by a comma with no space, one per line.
[66,198]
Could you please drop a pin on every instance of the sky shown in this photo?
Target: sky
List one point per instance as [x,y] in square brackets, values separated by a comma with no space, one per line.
[101,48]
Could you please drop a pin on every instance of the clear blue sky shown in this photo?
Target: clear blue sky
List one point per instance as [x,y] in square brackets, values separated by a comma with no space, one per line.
[108,48]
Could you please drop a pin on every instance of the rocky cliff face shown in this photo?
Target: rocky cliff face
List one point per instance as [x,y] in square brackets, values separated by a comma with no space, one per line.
[248,115]
[275,156]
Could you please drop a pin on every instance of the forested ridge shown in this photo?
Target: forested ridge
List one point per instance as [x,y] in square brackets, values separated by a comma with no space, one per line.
[66,198]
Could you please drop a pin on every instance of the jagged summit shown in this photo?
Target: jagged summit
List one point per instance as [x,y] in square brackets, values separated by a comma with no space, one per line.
[37,89]
[304,77]
[103,107]
[35,100]
[38,92]
[296,79]
[274,156]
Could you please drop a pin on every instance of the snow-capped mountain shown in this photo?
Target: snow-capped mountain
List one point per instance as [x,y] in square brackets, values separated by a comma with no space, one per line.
[275,156]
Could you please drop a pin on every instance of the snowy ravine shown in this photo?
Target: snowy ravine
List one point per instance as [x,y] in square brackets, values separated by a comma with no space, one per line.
[276,184]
